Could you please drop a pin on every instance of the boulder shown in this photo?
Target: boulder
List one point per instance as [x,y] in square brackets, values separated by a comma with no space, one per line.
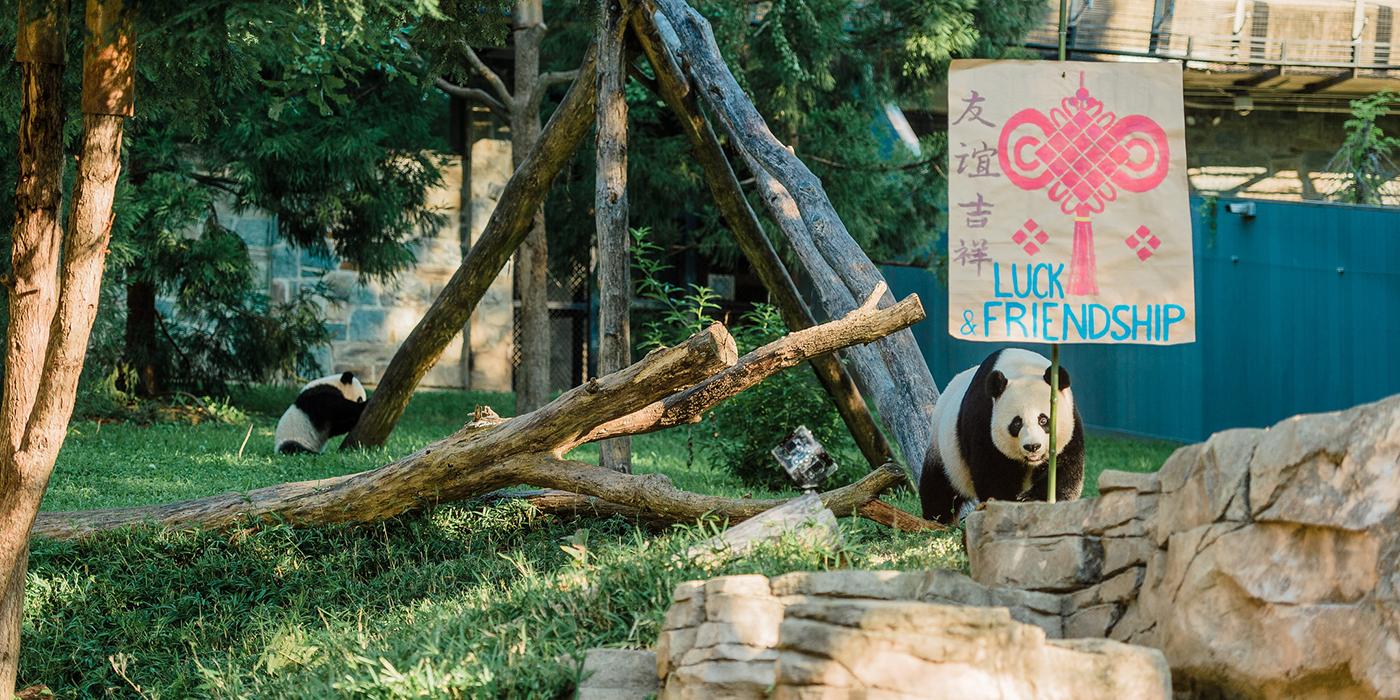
[1263,563]
[901,649]
[618,674]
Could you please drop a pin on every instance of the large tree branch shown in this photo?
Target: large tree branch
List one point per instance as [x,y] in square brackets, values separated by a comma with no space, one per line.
[907,400]
[674,88]
[474,95]
[491,453]
[550,79]
[485,72]
[863,325]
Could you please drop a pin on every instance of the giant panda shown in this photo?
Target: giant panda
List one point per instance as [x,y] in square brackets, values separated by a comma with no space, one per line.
[324,408]
[991,437]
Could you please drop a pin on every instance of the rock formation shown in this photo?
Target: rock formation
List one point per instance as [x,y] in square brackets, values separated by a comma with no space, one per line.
[1263,563]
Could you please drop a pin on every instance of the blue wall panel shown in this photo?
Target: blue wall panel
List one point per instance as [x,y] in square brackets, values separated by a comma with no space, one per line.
[1298,311]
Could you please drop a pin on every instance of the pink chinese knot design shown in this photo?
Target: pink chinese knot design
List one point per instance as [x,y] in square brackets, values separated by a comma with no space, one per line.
[1082,155]
[1030,237]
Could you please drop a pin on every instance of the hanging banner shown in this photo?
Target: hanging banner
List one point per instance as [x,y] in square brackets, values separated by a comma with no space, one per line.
[1069,219]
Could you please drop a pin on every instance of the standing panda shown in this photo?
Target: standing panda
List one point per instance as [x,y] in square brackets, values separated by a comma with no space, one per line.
[991,437]
[325,408]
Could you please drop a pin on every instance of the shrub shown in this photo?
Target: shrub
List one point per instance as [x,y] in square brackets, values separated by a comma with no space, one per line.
[740,433]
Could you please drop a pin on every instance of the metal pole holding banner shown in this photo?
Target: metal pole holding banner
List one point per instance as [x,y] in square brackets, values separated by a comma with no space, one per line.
[1055,347]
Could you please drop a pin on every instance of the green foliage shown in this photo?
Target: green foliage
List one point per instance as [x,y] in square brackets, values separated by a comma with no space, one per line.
[1365,155]
[740,432]
[461,601]
[316,112]
[820,73]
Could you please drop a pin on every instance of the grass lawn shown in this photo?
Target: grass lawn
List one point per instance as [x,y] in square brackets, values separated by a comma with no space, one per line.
[459,602]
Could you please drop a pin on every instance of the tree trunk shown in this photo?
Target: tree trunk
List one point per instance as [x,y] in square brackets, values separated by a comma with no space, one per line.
[532,259]
[754,243]
[33,436]
[894,372]
[507,228]
[141,348]
[667,387]
[610,214]
[33,296]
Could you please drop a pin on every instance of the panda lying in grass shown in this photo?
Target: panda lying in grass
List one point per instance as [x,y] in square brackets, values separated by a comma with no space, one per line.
[325,408]
[991,437]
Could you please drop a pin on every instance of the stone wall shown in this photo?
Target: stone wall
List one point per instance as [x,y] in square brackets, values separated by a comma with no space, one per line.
[1268,154]
[368,319]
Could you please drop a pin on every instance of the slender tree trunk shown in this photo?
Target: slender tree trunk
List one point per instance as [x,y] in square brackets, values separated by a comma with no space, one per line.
[610,215]
[141,337]
[32,437]
[509,224]
[532,259]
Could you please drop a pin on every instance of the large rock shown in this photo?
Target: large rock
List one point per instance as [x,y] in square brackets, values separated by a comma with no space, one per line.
[618,674]
[1263,563]
[733,637]
[899,649]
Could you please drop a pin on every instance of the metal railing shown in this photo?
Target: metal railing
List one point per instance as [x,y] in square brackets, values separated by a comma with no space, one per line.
[1344,34]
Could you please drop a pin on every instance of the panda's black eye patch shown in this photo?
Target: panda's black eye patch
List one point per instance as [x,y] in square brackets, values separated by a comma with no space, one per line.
[1015,427]
[1044,420]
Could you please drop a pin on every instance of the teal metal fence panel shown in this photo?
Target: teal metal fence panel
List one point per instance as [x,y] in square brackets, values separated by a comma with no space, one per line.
[1298,311]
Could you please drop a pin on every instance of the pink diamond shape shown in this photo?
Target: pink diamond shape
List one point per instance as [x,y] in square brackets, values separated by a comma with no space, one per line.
[1118,154]
[1154,242]
[1032,248]
[1143,232]
[1131,241]
[1041,237]
[1030,224]
[1019,237]
[1144,253]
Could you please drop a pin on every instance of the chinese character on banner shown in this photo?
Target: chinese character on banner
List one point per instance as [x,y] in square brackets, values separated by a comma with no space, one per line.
[1090,237]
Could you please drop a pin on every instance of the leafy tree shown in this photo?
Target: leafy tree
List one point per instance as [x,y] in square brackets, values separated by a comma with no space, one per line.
[1364,158]
[312,111]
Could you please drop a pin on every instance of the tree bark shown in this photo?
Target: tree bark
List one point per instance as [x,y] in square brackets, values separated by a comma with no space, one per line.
[509,224]
[33,296]
[490,453]
[34,426]
[903,388]
[532,258]
[610,214]
[748,232]
[140,338]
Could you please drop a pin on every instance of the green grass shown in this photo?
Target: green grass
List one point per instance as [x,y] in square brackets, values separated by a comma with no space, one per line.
[459,602]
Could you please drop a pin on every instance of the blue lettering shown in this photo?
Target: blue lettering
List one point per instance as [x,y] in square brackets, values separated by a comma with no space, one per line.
[1079,323]
[1118,320]
[1016,288]
[1015,311]
[996,282]
[987,317]
[1045,323]
[1145,324]
[1055,284]
[1174,313]
[1095,330]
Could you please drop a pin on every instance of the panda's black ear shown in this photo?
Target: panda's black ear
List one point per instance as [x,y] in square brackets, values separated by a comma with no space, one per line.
[349,378]
[1064,378]
[996,383]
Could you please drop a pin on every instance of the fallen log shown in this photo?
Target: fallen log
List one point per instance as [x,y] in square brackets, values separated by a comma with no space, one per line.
[668,386]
